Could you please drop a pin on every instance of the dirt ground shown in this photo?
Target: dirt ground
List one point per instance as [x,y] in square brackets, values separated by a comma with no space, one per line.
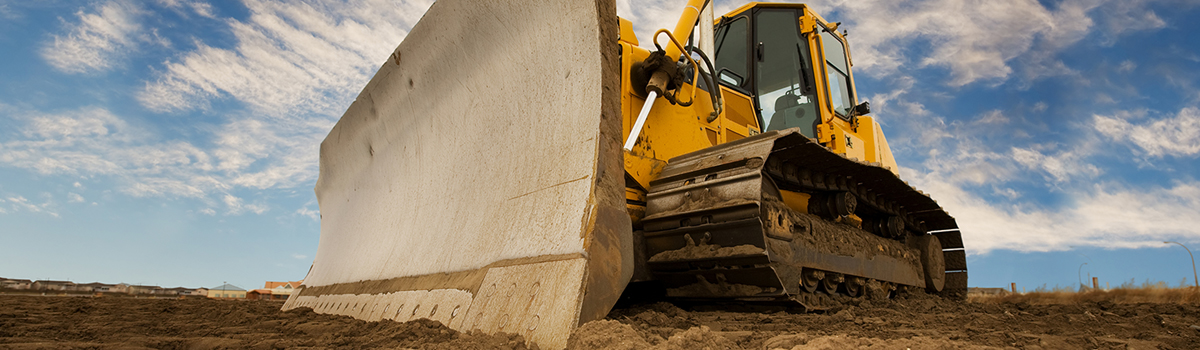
[914,321]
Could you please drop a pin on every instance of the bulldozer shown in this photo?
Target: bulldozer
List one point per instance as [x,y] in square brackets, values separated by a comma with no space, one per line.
[517,166]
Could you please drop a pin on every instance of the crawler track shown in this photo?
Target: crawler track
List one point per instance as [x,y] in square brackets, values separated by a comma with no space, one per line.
[717,228]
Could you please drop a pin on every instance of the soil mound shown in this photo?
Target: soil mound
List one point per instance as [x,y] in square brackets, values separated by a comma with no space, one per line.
[911,320]
[30,322]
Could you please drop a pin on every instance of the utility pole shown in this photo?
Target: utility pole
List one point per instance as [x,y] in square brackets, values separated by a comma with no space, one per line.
[1080,274]
[1194,278]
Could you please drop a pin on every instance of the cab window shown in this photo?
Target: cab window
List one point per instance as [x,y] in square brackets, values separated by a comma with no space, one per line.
[837,71]
[732,46]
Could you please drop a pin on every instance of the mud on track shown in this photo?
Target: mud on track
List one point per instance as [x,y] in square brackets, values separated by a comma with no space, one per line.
[909,321]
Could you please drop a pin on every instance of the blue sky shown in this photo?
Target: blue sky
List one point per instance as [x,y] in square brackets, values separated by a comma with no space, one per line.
[174,142]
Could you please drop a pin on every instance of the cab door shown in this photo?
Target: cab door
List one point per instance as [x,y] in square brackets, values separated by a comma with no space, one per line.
[839,130]
[783,80]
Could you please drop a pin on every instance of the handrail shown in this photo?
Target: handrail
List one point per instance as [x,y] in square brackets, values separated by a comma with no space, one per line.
[695,66]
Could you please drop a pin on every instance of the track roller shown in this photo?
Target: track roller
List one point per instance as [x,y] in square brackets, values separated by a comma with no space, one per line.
[854,286]
[811,280]
[830,283]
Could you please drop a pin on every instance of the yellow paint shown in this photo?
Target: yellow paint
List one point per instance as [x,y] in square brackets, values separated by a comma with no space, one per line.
[635,204]
[643,169]
[753,5]
[627,32]
[683,28]
[796,200]
[673,130]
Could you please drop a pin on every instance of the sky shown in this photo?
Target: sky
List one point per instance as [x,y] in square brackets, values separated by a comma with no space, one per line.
[174,142]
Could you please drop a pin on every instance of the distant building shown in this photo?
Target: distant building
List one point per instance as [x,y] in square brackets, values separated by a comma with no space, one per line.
[227,291]
[265,294]
[282,288]
[53,285]
[93,287]
[142,289]
[9,283]
[115,288]
[179,291]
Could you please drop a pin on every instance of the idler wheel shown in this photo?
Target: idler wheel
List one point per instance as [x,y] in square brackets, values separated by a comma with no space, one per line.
[933,263]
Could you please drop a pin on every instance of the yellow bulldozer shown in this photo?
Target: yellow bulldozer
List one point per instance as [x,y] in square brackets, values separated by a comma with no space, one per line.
[515,165]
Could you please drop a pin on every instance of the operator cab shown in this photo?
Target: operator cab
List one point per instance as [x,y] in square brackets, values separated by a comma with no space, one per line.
[766,51]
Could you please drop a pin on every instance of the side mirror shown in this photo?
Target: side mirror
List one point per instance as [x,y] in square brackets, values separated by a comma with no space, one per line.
[861,109]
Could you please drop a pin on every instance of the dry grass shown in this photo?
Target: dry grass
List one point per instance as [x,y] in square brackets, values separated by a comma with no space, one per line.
[1125,294]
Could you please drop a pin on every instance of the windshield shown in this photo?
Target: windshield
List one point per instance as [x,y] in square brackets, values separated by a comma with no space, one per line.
[781,85]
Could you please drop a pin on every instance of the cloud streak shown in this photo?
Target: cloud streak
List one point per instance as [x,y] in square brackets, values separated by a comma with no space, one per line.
[20,203]
[248,154]
[294,65]
[979,40]
[96,40]
[1106,215]
[289,57]
[1174,136]
[1054,195]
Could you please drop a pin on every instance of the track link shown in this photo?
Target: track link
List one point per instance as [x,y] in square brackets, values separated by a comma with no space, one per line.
[716,227]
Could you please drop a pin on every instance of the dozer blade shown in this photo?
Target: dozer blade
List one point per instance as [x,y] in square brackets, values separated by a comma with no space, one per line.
[477,180]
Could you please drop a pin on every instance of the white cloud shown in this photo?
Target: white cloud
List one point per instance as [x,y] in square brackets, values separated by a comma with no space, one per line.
[208,211]
[1120,17]
[299,256]
[1049,195]
[1007,192]
[1105,215]
[96,40]
[312,214]
[1174,136]
[73,197]
[290,57]
[237,206]
[974,40]
[93,141]
[1061,166]
[20,203]
[248,153]
[1127,66]
[993,117]
[201,8]
[650,16]
[291,150]
[7,12]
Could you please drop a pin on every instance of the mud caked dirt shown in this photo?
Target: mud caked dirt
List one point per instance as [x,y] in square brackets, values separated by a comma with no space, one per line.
[30,322]
[912,321]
